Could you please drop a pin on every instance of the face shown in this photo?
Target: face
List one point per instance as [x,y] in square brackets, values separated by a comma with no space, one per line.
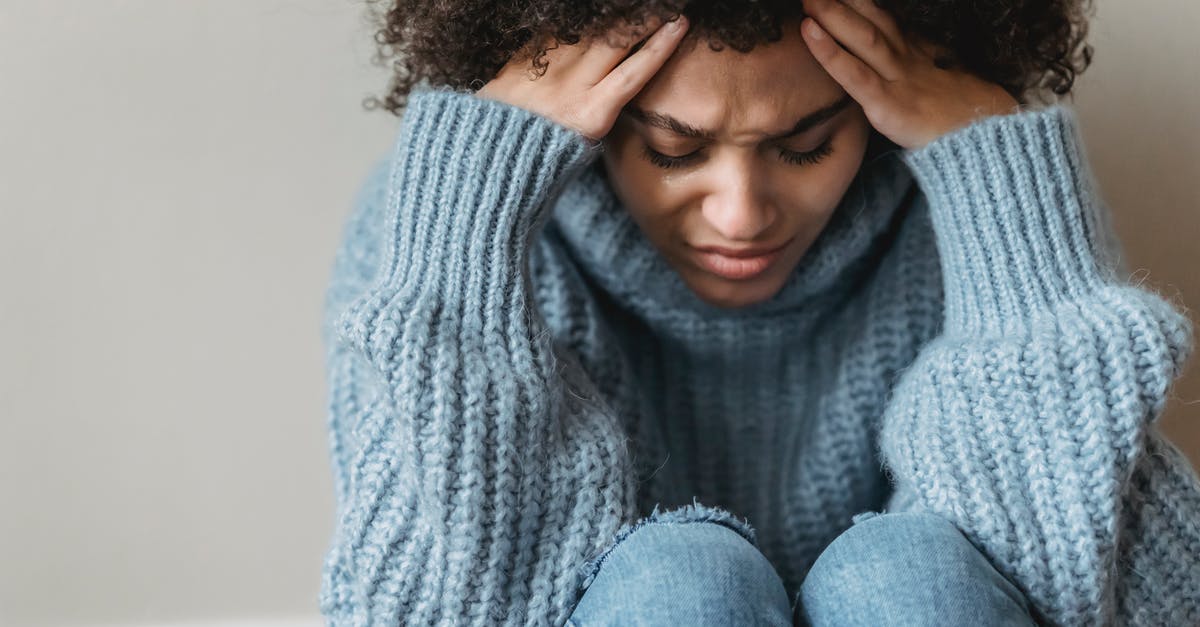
[741,151]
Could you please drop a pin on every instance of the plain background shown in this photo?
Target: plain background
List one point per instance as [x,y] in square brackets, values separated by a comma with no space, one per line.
[173,180]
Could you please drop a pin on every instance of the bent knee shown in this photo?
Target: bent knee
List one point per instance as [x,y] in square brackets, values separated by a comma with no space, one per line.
[701,570]
[900,562]
[701,556]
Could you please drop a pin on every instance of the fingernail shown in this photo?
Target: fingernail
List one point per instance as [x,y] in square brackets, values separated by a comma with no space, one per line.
[676,23]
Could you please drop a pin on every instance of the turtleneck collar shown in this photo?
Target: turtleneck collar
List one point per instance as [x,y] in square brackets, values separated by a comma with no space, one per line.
[616,254]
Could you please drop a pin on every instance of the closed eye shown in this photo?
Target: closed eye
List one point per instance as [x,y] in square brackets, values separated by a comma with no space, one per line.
[793,157]
[807,157]
[668,161]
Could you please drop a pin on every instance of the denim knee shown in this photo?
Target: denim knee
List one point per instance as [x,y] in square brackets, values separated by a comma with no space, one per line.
[684,573]
[907,568]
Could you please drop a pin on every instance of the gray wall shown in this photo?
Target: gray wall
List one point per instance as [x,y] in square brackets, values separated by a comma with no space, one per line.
[173,176]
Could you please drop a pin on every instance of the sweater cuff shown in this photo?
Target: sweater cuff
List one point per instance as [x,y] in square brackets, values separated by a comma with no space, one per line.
[1018,222]
[469,183]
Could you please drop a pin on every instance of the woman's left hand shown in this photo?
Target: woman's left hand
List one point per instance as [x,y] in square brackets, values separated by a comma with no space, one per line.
[903,94]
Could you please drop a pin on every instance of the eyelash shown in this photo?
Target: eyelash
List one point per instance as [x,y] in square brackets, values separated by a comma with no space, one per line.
[788,156]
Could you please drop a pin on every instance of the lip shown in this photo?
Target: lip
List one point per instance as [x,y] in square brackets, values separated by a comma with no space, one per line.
[738,264]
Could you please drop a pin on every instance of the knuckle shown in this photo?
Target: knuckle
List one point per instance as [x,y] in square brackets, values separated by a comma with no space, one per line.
[861,74]
[878,42]
[874,39]
[873,85]
[622,78]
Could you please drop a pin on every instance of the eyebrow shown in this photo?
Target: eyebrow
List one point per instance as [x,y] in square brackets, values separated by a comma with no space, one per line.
[668,123]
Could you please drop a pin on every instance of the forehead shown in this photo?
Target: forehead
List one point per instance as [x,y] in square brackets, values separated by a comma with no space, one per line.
[766,88]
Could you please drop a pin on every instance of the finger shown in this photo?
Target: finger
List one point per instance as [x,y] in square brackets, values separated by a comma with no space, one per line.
[857,34]
[628,78]
[603,53]
[859,80]
[882,19]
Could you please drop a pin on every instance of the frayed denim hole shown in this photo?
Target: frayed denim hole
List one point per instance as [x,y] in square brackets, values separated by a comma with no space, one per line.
[857,518]
[687,514]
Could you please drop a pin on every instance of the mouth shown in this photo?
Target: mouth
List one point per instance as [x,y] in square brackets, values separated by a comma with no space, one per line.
[738,265]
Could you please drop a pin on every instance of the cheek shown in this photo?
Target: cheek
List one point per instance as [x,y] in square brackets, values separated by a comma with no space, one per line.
[827,184]
[843,165]
[651,197]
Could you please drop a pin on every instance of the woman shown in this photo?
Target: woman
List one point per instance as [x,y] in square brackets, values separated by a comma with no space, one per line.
[820,323]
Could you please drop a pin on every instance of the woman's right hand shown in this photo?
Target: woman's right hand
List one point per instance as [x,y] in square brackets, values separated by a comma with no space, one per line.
[587,84]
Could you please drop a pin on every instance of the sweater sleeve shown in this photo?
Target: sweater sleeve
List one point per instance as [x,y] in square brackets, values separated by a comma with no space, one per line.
[474,478]
[1030,421]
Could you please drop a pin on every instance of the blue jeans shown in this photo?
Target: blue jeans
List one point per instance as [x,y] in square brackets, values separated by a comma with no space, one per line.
[899,568]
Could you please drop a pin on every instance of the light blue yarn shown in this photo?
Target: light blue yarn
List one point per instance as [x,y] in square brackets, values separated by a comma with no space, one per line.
[517,378]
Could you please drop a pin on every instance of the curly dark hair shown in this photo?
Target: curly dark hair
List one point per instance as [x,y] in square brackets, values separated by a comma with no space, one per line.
[1025,46]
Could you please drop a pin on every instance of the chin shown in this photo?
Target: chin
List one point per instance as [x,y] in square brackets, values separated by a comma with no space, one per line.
[734,295]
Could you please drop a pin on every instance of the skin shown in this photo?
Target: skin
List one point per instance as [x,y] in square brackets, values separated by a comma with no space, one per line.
[737,190]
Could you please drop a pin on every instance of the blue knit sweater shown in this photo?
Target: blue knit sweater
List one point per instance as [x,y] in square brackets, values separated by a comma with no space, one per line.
[517,379]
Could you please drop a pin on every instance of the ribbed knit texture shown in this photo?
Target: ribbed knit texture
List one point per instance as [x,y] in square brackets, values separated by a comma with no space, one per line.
[518,379]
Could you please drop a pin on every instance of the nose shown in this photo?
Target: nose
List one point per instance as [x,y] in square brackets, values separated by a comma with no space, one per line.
[739,205]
